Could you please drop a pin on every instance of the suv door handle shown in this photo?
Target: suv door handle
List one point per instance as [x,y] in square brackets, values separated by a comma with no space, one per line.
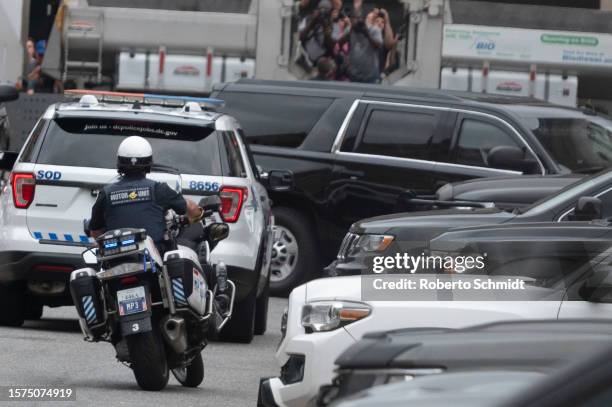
[351,174]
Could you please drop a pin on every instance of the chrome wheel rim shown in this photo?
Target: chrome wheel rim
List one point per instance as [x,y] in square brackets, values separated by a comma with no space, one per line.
[180,373]
[285,252]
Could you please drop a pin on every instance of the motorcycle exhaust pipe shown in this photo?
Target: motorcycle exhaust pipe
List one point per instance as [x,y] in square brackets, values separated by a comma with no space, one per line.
[174,333]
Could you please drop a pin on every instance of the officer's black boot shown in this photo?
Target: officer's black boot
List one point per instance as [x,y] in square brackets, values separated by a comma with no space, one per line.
[222,297]
[221,277]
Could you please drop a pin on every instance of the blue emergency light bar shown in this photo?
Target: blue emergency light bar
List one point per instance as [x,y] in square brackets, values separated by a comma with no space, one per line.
[142,98]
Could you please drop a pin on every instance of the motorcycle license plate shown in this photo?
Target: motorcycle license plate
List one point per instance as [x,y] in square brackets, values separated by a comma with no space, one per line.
[132,301]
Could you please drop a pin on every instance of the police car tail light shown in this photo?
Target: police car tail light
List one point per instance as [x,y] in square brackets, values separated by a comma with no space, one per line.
[231,202]
[23,185]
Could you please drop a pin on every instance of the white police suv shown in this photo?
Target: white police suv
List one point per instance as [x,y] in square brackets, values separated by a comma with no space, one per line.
[71,154]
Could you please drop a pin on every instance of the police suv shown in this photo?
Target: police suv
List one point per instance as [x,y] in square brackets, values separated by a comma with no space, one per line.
[71,154]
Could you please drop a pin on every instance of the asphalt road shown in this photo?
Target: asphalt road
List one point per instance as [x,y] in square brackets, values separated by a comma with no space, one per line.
[52,352]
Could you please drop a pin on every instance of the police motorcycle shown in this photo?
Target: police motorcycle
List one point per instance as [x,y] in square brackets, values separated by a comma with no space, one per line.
[157,311]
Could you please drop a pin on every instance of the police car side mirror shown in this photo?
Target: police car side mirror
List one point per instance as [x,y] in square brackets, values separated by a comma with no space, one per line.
[211,203]
[8,93]
[280,180]
[7,160]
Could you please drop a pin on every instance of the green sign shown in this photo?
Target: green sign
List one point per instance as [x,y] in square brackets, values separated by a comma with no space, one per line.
[569,40]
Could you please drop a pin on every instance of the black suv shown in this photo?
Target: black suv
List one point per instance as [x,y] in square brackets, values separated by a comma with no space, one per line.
[358,151]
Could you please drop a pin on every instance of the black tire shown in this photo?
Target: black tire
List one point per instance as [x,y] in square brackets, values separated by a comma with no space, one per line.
[261,310]
[192,375]
[241,326]
[308,257]
[12,304]
[149,362]
[33,311]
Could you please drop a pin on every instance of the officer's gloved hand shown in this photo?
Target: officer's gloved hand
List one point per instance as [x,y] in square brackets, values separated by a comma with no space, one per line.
[198,217]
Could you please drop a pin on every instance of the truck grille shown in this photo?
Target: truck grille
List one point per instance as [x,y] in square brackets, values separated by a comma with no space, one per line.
[349,242]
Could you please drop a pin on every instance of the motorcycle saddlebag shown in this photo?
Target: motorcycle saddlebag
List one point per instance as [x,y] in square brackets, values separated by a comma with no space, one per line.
[86,292]
[188,285]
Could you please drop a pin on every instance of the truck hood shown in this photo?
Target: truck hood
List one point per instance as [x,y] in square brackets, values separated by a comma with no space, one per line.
[534,345]
[424,225]
[469,389]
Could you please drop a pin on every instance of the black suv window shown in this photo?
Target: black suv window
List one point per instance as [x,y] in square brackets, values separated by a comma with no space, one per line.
[477,138]
[398,133]
[93,142]
[275,120]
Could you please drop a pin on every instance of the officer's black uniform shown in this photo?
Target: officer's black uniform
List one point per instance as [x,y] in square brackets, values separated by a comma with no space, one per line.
[136,202]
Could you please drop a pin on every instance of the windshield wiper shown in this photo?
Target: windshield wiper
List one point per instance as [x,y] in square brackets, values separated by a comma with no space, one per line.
[165,168]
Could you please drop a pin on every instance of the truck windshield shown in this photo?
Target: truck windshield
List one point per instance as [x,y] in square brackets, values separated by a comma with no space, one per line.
[93,142]
[580,142]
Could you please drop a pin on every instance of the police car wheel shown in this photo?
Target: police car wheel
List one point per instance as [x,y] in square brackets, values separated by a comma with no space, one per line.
[261,310]
[33,311]
[241,326]
[12,304]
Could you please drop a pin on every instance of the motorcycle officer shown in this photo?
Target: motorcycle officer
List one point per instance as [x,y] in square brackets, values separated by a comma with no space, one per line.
[138,202]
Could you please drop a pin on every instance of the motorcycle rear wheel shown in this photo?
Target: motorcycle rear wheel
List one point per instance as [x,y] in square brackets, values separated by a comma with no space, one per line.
[192,375]
[148,360]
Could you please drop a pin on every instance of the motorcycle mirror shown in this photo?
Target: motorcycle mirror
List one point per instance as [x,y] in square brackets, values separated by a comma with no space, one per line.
[89,257]
[218,231]
[211,203]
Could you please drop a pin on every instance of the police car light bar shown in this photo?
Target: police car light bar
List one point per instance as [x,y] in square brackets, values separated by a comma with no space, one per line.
[145,98]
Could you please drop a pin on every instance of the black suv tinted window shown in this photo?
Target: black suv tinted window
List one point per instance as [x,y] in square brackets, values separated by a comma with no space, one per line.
[94,142]
[477,138]
[275,120]
[398,133]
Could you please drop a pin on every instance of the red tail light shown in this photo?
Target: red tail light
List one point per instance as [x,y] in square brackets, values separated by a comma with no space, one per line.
[23,185]
[231,202]
[129,280]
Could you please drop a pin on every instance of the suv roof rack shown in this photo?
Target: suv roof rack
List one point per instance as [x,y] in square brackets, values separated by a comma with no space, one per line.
[92,97]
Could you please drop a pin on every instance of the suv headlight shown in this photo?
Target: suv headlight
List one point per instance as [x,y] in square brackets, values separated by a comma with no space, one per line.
[354,243]
[373,243]
[322,316]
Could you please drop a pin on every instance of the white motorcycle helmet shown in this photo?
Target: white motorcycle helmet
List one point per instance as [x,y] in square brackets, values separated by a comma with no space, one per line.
[134,155]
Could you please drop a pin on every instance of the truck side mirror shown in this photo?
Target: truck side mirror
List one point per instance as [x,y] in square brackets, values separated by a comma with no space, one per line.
[511,158]
[8,93]
[7,160]
[587,209]
[598,287]
[211,203]
[280,180]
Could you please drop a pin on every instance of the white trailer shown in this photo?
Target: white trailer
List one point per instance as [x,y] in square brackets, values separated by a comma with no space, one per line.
[11,40]
[188,51]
